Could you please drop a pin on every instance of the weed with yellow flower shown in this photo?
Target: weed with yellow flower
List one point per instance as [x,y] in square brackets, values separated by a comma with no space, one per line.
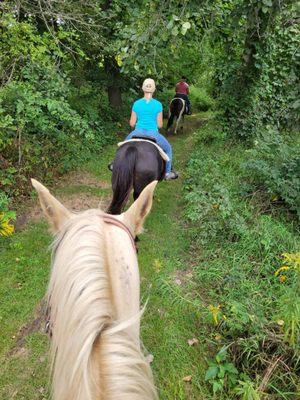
[6,228]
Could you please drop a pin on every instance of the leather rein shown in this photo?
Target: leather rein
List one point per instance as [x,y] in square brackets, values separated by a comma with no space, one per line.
[109,219]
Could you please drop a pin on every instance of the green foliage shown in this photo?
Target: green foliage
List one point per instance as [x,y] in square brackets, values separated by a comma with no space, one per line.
[40,131]
[256,65]
[240,245]
[275,163]
[200,99]
[246,390]
[221,373]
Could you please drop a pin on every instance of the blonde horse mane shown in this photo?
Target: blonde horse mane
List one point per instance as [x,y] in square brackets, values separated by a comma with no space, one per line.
[93,356]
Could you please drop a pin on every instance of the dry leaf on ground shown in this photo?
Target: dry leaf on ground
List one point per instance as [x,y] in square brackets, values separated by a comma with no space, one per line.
[193,341]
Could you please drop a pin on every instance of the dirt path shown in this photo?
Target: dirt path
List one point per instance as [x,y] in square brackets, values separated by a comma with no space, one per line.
[164,264]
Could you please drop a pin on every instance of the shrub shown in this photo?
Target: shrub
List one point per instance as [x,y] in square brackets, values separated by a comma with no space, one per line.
[200,99]
[242,274]
[39,131]
[275,163]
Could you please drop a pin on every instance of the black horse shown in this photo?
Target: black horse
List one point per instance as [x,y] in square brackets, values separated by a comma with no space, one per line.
[136,164]
[176,109]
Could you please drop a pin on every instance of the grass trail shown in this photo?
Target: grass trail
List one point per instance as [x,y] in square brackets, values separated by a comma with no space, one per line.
[166,327]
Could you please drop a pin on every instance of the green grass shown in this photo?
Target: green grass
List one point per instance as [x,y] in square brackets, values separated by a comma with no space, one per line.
[166,326]
[24,269]
[207,242]
[238,238]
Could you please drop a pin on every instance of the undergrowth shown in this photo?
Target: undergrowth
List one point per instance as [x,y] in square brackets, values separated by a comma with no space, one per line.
[248,266]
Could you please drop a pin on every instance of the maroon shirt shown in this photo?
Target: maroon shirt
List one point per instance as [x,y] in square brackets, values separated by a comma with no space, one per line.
[182,88]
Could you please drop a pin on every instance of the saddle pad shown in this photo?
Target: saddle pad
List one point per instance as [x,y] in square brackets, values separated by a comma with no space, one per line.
[164,156]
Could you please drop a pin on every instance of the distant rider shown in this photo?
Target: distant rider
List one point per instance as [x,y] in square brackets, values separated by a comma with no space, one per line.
[146,118]
[182,90]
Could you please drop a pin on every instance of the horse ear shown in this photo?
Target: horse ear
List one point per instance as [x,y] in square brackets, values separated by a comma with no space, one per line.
[55,212]
[134,217]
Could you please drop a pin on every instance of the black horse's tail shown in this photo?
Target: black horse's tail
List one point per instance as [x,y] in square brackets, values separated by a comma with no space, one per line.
[122,180]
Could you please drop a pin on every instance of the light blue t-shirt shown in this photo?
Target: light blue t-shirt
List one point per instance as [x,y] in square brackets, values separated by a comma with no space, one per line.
[147,111]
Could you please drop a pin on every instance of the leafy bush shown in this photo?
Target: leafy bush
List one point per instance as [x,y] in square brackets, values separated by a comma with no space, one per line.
[275,163]
[165,98]
[257,66]
[251,289]
[41,130]
[200,99]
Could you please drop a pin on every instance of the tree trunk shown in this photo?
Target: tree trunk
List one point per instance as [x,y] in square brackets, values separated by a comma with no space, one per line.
[114,96]
[113,77]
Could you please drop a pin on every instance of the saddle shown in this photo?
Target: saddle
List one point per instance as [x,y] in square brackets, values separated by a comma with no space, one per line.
[149,139]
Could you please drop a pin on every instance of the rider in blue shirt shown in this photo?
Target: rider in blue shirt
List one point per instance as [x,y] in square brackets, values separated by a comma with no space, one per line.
[146,118]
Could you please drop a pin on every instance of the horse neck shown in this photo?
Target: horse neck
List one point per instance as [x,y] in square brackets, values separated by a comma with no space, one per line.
[127,373]
[123,272]
[94,349]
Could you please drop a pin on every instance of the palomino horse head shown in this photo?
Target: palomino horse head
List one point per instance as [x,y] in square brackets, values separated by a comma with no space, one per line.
[94,298]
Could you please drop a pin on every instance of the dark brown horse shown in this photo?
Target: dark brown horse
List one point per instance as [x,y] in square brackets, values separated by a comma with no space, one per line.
[136,164]
[176,110]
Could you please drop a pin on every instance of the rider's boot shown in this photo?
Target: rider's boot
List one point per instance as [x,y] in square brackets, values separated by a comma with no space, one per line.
[171,175]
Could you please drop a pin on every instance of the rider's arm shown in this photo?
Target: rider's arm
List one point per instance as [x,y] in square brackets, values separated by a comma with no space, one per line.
[133,119]
[160,120]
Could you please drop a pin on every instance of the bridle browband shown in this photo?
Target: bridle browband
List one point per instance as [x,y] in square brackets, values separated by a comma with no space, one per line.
[109,219]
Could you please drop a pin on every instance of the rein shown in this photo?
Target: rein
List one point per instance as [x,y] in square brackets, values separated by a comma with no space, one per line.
[109,219]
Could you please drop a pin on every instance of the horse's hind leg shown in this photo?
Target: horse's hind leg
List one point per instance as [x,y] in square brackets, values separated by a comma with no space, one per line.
[177,123]
[170,121]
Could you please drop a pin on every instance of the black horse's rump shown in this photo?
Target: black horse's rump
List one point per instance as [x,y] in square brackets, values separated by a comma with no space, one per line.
[135,166]
[177,110]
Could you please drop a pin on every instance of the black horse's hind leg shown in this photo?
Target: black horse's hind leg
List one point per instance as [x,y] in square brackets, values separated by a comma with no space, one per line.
[170,120]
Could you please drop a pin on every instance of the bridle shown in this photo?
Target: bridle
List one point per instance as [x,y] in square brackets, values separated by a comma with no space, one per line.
[109,219]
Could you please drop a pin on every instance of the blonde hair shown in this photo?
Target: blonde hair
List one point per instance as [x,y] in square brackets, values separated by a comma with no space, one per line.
[149,85]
